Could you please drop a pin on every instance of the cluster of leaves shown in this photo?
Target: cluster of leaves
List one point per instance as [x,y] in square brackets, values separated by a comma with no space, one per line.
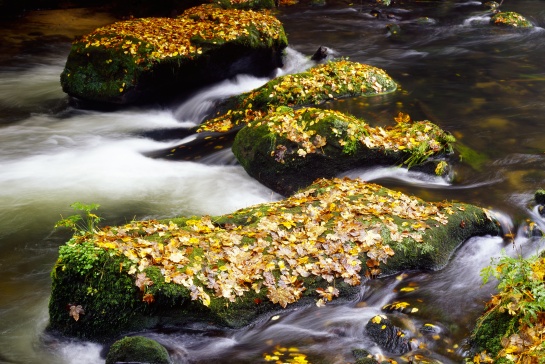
[400,306]
[283,355]
[420,140]
[151,39]
[510,18]
[326,231]
[317,85]
[522,296]
[287,2]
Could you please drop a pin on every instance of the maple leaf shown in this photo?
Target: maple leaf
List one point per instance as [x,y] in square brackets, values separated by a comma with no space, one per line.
[142,281]
[148,298]
[328,293]
[76,311]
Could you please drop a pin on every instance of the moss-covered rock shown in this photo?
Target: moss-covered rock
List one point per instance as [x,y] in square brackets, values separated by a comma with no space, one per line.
[228,270]
[137,349]
[288,149]
[512,328]
[491,329]
[335,79]
[149,58]
[510,19]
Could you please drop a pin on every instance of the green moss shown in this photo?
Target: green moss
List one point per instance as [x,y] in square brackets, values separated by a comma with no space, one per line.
[511,19]
[95,279]
[165,295]
[515,312]
[106,73]
[363,357]
[490,330]
[137,349]
[470,156]
[468,221]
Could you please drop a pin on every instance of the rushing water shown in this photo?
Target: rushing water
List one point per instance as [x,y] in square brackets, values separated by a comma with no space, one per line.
[486,86]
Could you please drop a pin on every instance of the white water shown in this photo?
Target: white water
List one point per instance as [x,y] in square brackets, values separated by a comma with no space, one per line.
[195,109]
[50,161]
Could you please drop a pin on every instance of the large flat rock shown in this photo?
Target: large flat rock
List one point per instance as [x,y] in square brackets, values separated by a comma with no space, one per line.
[311,248]
[148,59]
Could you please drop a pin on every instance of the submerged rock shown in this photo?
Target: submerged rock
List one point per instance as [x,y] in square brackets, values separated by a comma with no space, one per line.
[148,59]
[363,357]
[539,197]
[321,54]
[229,270]
[388,336]
[137,349]
[510,19]
[288,149]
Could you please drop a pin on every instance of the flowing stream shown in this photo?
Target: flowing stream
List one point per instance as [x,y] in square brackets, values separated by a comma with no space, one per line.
[483,84]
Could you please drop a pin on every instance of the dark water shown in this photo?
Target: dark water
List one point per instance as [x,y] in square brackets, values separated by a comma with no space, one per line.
[484,85]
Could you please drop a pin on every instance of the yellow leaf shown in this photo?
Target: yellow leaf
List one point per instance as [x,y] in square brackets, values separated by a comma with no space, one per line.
[288,224]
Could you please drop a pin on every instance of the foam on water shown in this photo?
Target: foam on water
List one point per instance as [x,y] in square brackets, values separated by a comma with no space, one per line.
[48,163]
[196,108]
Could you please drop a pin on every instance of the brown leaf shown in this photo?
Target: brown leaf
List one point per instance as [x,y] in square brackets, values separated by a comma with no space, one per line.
[148,298]
[76,311]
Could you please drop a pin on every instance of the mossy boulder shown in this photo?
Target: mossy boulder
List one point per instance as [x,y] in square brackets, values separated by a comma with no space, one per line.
[324,82]
[510,19]
[512,328]
[487,336]
[148,59]
[288,149]
[137,349]
[334,79]
[229,270]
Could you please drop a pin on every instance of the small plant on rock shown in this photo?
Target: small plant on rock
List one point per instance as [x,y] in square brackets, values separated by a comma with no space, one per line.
[520,300]
[83,223]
